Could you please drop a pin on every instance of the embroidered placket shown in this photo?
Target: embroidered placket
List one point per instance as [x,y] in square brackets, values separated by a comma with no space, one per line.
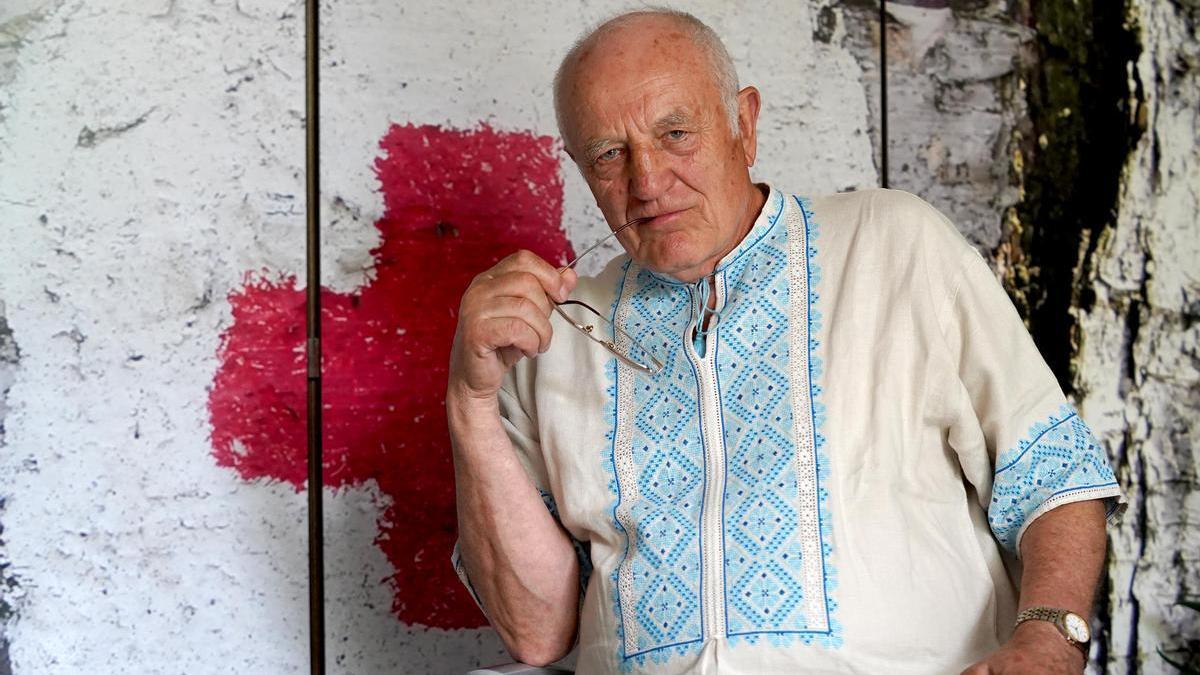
[719,493]
[712,537]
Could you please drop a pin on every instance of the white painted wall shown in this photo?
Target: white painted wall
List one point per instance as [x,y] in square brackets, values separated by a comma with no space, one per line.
[144,154]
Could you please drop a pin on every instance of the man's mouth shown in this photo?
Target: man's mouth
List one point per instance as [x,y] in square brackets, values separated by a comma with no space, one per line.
[660,218]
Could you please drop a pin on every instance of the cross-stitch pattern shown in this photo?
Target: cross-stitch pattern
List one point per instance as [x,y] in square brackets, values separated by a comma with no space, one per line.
[1058,458]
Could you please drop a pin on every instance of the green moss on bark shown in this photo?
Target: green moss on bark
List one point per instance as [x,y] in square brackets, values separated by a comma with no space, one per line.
[1082,98]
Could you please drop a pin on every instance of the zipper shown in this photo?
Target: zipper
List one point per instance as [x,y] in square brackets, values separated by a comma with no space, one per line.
[712,535]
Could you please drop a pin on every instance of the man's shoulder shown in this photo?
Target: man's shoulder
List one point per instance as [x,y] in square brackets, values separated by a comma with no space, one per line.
[877,205]
[890,218]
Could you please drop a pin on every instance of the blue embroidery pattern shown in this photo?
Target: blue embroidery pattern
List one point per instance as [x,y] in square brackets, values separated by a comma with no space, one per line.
[832,637]
[763,554]
[775,534]
[1057,458]
[787,598]
[662,518]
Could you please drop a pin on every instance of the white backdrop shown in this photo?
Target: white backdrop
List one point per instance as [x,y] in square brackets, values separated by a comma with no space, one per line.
[152,154]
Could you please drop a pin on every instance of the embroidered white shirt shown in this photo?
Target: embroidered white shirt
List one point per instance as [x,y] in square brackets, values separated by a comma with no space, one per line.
[837,480]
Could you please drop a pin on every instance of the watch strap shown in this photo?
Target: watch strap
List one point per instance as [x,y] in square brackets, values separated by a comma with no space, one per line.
[1055,616]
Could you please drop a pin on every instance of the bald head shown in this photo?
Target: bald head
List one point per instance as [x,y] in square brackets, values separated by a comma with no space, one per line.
[642,30]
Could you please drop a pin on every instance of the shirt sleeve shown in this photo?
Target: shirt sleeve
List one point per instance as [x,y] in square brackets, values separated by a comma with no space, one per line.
[522,433]
[1040,453]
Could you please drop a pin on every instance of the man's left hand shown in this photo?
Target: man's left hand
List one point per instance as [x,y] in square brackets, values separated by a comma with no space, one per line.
[1036,648]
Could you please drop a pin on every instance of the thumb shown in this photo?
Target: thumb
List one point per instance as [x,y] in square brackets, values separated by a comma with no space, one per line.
[569,279]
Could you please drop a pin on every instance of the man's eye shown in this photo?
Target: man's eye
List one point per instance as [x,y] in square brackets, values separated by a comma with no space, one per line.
[677,134]
[608,155]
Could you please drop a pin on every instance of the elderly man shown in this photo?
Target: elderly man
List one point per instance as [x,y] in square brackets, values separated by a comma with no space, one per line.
[839,453]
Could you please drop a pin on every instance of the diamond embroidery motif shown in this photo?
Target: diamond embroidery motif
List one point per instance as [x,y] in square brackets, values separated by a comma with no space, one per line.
[669,478]
[772,529]
[663,537]
[756,392]
[1055,459]
[767,594]
[664,609]
[658,458]
[762,550]
[665,416]
[763,522]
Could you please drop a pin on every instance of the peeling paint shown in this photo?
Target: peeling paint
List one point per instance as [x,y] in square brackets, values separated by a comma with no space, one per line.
[10,358]
[9,589]
[1137,328]
[88,137]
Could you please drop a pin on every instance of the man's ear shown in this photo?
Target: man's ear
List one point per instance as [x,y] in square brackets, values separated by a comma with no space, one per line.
[749,103]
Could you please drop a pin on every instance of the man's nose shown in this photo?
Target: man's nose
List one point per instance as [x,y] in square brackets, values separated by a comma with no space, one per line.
[649,177]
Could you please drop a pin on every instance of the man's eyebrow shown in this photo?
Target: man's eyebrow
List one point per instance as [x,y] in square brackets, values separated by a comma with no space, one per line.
[594,146]
[673,119]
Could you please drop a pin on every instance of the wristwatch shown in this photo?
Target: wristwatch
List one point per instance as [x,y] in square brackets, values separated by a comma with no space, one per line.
[1072,626]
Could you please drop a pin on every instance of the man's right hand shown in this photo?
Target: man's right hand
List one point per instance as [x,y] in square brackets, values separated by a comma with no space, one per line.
[504,315]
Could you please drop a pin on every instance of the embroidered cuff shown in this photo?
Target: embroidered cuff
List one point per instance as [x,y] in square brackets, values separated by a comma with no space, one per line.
[1058,462]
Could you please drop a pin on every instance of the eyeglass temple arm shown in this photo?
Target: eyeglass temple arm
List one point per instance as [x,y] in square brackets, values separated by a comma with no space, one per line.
[596,245]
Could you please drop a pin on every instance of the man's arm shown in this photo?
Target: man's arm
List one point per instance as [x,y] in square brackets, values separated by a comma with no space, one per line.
[1062,554]
[519,560]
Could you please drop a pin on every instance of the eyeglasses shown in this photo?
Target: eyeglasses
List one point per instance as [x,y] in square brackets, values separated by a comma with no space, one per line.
[600,330]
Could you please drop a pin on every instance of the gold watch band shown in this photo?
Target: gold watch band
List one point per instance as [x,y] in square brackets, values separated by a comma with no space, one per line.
[1055,616]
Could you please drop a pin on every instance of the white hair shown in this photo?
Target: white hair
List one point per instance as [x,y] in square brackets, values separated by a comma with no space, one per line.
[721,64]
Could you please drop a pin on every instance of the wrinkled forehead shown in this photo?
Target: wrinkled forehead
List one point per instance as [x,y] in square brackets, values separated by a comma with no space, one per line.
[626,70]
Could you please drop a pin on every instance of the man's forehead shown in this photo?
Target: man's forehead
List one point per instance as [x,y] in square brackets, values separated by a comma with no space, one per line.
[650,90]
[650,73]
[614,57]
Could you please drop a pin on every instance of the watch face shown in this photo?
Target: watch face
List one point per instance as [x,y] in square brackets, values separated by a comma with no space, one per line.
[1077,627]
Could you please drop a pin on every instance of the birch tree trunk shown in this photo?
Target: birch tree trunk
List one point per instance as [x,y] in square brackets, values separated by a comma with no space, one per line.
[1138,362]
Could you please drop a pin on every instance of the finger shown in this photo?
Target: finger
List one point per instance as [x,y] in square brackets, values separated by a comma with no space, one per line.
[510,355]
[570,277]
[524,310]
[521,335]
[546,274]
[494,336]
[515,284]
[508,327]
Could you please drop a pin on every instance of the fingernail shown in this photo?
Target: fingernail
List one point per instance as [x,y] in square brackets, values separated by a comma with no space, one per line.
[562,292]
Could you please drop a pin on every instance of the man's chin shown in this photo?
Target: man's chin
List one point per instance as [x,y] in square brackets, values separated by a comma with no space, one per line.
[673,254]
